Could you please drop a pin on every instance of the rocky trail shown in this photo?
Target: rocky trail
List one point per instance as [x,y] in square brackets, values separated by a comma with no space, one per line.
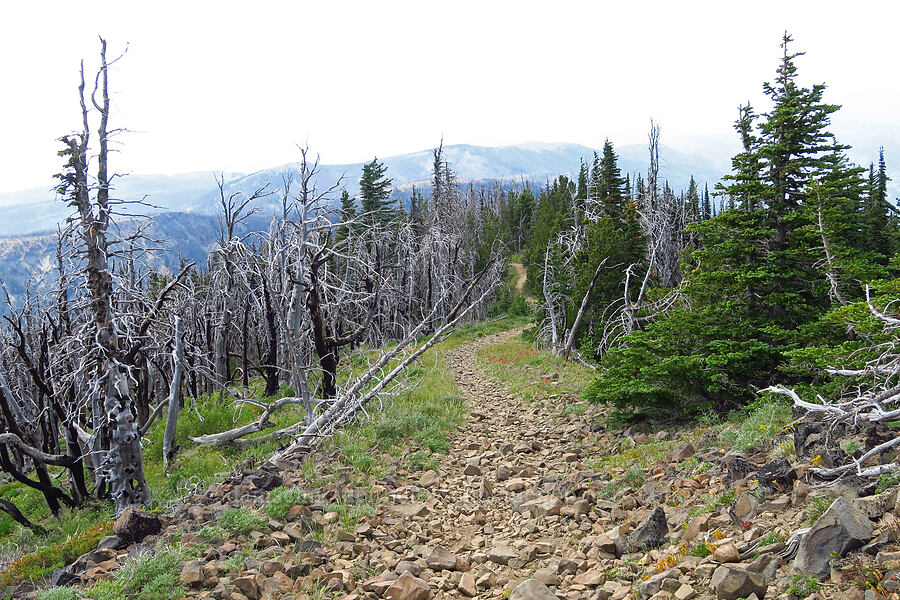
[521,507]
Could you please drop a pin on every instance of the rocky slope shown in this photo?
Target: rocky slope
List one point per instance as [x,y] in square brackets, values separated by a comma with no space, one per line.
[536,502]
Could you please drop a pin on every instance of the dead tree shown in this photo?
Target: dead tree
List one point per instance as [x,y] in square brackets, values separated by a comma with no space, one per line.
[108,391]
[876,400]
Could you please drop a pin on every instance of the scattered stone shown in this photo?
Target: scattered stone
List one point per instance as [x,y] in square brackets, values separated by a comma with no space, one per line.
[727,553]
[684,453]
[502,554]
[64,577]
[650,534]
[654,584]
[737,468]
[408,587]
[428,478]
[543,506]
[410,510]
[440,558]
[777,475]
[191,574]
[113,542]
[546,576]
[532,589]
[685,592]
[467,585]
[592,577]
[731,583]
[695,527]
[472,470]
[408,566]
[746,507]
[840,529]
[134,525]
[875,506]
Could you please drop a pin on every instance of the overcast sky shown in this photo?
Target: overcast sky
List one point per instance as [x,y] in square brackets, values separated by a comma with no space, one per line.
[236,86]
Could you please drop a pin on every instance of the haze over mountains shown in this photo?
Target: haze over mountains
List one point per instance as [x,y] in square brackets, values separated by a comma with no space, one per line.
[185,207]
[39,210]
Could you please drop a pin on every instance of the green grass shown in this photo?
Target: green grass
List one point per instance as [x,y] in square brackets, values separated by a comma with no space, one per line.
[816,507]
[58,593]
[757,424]
[641,456]
[212,534]
[523,371]
[803,585]
[281,499]
[149,576]
[241,520]
[715,502]
[61,551]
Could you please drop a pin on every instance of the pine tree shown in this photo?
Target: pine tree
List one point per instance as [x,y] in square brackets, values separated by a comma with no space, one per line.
[375,192]
[692,206]
[877,221]
[348,213]
[610,187]
[746,187]
[581,192]
[594,192]
[707,207]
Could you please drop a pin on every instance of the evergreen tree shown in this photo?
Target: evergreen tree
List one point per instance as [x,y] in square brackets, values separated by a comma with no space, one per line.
[581,193]
[707,207]
[692,205]
[744,186]
[594,191]
[348,213]
[877,221]
[610,185]
[375,192]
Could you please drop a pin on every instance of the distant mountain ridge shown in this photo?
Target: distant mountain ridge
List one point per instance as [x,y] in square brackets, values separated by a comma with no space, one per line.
[39,210]
[183,209]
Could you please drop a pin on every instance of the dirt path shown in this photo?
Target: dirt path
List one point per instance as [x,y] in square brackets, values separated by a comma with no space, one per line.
[520,282]
[496,502]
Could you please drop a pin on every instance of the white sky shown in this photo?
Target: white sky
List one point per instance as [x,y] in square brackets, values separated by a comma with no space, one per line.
[236,85]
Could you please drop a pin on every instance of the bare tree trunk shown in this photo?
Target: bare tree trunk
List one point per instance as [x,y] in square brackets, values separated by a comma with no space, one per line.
[567,347]
[830,271]
[548,298]
[169,448]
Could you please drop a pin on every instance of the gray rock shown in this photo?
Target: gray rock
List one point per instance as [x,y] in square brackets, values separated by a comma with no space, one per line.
[875,506]
[650,534]
[408,566]
[62,577]
[532,589]
[502,554]
[655,583]
[746,507]
[440,558]
[777,475]
[134,525]
[731,583]
[113,542]
[684,453]
[840,529]
[520,499]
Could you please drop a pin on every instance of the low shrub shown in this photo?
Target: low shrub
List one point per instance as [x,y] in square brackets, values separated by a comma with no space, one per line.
[281,499]
[241,520]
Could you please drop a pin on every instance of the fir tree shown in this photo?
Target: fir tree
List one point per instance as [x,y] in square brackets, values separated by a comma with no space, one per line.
[877,221]
[707,207]
[610,186]
[375,192]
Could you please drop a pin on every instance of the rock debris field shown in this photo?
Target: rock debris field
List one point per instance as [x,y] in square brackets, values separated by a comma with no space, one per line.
[515,509]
